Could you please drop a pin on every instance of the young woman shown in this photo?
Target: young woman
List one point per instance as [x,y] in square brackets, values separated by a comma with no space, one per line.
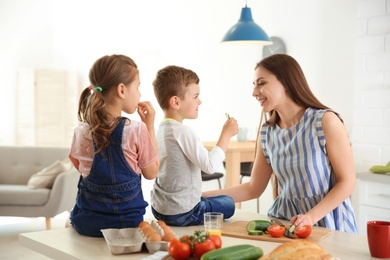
[306,145]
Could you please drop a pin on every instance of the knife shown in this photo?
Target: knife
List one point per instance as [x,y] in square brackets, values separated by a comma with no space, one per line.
[287,232]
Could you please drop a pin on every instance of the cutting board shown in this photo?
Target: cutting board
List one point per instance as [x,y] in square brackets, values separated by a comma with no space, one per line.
[238,229]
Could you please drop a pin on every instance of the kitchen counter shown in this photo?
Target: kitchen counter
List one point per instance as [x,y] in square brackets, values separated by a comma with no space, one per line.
[66,243]
[375,177]
[371,199]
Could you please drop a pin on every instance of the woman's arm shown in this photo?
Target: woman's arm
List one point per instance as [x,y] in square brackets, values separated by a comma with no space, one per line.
[260,175]
[341,158]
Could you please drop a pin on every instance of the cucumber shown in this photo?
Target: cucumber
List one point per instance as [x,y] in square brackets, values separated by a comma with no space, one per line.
[217,253]
[252,253]
[255,232]
[292,228]
[258,225]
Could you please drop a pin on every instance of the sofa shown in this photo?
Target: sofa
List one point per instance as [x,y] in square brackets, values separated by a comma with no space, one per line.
[36,182]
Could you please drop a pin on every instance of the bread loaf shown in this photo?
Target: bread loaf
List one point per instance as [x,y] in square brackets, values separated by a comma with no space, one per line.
[298,249]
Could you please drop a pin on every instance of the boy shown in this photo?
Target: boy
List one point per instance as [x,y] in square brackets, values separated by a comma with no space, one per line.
[176,194]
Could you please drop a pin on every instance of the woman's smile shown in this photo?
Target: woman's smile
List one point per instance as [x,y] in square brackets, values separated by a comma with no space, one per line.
[261,100]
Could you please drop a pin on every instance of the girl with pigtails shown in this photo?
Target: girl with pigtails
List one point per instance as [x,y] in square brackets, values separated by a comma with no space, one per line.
[110,151]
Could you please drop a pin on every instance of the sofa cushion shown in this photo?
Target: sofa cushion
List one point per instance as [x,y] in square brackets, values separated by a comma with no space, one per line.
[45,178]
[18,195]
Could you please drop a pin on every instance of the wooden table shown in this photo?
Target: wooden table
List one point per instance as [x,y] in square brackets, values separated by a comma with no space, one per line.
[66,243]
[236,153]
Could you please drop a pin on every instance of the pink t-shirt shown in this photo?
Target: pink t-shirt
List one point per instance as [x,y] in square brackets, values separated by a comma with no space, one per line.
[137,147]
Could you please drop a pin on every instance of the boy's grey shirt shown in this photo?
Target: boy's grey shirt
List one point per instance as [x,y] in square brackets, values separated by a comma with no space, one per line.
[177,188]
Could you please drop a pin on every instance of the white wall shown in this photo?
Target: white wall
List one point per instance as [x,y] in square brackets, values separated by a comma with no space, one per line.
[72,34]
[371,139]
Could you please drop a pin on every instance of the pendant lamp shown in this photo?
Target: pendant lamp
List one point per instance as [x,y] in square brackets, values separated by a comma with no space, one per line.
[246,31]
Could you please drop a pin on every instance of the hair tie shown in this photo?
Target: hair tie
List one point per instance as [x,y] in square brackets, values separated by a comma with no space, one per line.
[99,88]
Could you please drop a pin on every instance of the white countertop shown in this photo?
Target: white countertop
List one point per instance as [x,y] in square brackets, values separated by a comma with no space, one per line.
[375,177]
[66,243]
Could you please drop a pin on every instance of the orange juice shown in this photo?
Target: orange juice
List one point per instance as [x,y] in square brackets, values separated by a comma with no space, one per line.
[214,232]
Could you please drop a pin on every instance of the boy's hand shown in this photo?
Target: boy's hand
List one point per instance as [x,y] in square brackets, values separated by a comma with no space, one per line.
[147,113]
[230,128]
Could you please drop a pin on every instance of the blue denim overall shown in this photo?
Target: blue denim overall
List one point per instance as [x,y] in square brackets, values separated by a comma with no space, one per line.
[111,195]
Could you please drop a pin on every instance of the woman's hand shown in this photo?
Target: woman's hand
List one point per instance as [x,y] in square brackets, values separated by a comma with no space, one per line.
[302,220]
[147,113]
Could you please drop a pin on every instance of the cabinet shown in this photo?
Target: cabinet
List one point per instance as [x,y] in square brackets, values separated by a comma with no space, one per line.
[373,199]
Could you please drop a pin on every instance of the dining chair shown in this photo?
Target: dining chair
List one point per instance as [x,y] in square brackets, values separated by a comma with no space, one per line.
[214,176]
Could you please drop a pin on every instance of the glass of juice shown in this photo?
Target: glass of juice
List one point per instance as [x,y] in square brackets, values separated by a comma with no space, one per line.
[213,223]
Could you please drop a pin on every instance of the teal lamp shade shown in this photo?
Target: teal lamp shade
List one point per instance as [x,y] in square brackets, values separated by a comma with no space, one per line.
[246,31]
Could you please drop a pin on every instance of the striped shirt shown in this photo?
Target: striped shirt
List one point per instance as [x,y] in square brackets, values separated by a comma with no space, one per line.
[301,164]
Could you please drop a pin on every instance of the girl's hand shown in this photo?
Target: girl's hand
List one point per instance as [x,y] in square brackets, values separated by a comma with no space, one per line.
[302,220]
[147,113]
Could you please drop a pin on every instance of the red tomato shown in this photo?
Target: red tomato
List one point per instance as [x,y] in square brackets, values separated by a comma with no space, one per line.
[217,240]
[303,232]
[201,248]
[179,250]
[276,230]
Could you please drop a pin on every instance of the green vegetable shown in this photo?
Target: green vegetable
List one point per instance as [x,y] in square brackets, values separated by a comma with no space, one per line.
[255,232]
[380,168]
[292,228]
[227,116]
[252,253]
[258,225]
[218,253]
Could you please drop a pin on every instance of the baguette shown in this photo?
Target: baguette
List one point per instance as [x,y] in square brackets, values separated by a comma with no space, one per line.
[299,249]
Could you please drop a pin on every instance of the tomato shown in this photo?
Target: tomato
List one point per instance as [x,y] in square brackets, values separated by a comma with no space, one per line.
[276,230]
[303,231]
[179,250]
[217,240]
[201,248]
